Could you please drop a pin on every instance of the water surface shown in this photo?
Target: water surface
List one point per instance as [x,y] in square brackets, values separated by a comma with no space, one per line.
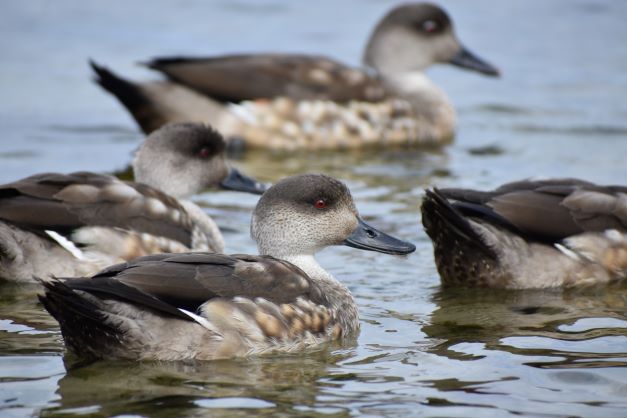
[559,110]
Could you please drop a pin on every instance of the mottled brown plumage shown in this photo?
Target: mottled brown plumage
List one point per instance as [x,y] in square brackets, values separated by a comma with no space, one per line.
[207,306]
[75,224]
[561,232]
[66,202]
[296,101]
[236,78]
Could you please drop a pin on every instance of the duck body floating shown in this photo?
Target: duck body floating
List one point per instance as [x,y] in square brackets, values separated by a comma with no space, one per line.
[55,224]
[206,306]
[295,101]
[529,234]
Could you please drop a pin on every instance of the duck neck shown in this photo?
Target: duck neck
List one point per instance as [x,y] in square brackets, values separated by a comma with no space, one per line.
[310,265]
[206,235]
[427,99]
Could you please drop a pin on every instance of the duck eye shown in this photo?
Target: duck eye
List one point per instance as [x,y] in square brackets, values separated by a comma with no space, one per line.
[430,26]
[204,152]
[320,204]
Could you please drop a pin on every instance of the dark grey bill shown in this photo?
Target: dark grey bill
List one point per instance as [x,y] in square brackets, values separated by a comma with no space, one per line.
[242,183]
[365,237]
[467,59]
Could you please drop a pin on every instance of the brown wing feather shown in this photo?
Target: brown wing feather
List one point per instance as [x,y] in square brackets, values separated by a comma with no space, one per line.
[236,78]
[536,213]
[551,209]
[190,279]
[64,202]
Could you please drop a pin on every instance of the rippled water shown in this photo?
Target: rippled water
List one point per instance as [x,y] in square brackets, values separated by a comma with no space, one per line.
[559,110]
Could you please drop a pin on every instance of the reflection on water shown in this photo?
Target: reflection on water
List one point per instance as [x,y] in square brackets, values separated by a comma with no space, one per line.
[575,328]
[261,386]
[559,110]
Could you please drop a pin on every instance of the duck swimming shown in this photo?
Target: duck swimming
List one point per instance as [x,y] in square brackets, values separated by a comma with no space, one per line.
[208,306]
[529,234]
[291,101]
[55,224]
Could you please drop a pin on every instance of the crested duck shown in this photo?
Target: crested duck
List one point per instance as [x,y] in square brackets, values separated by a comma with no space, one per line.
[206,306]
[529,234]
[290,101]
[77,223]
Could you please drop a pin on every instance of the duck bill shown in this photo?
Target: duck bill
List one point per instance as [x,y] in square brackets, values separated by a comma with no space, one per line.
[237,181]
[466,59]
[365,237]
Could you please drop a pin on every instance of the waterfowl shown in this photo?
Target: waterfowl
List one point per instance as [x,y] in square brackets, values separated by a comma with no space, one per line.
[290,101]
[206,306]
[54,224]
[529,234]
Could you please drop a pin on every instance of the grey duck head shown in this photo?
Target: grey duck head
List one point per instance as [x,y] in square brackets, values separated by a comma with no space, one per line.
[413,36]
[303,214]
[183,159]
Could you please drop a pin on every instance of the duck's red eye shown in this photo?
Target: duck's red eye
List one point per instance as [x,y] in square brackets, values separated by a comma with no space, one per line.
[429,26]
[320,204]
[203,153]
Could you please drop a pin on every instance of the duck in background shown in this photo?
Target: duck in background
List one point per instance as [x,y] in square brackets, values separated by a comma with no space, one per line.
[206,306]
[529,234]
[55,224]
[290,101]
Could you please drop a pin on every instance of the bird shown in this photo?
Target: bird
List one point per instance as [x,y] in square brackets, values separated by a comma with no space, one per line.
[297,101]
[554,233]
[55,224]
[206,306]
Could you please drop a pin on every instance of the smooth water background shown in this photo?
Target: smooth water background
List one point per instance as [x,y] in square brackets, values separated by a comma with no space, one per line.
[560,109]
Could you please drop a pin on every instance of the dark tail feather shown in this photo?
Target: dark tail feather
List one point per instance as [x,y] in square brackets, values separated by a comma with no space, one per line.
[129,94]
[444,223]
[126,92]
[83,325]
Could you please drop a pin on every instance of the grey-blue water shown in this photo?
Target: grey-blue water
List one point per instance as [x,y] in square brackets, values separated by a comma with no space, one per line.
[560,109]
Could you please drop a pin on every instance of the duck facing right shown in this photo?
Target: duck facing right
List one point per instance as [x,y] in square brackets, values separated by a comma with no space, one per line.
[529,234]
[297,101]
[207,306]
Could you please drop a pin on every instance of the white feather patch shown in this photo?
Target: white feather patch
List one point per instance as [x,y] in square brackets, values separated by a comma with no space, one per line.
[615,236]
[66,244]
[243,113]
[568,252]
[202,321]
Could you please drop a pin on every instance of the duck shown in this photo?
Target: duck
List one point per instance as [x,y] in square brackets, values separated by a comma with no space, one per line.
[207,306]
[554,233]
[296,101]
[55,224]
